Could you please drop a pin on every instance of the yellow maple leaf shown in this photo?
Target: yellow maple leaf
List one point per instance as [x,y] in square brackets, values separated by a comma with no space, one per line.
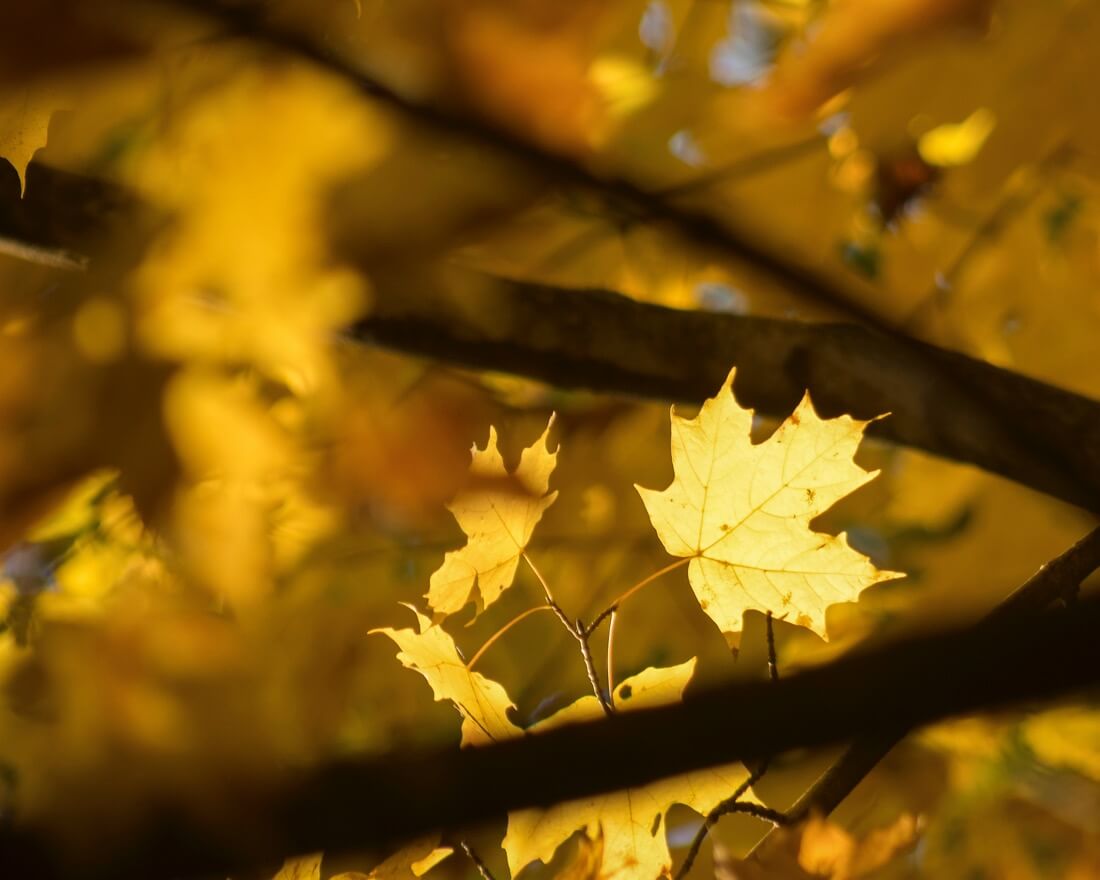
[498,515]
[629,822]
[482,702]
[741,512]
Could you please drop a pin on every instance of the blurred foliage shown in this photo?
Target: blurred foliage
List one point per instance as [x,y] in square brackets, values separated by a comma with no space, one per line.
[209,494]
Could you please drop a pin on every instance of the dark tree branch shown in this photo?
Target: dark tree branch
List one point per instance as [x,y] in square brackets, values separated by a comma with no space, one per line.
[942,402]
[355,805]
[945,403]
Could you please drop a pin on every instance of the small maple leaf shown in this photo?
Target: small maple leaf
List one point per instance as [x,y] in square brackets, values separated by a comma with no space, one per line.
[482,702]
[628,823]
[741,512]
[498,513]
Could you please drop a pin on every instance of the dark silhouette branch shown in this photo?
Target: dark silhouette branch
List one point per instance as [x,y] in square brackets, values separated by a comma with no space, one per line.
[362,804]
[942,402]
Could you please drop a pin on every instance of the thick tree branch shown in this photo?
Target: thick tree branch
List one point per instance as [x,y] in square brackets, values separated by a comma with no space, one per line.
[941,402]
[945,403]
[374,802]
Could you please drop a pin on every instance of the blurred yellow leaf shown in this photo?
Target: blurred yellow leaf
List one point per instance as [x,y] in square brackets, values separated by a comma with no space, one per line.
[498,515]
[851,36]
[629,823]
[482,703]
[1066,737]
[822,849]
[956,144]
[741,512]
[828,850]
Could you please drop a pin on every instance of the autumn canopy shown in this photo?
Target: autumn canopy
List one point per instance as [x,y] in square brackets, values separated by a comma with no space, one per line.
[584,440]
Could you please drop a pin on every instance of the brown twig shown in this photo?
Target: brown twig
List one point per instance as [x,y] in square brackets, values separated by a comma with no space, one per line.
[472,855]
[732,804]
[581,633]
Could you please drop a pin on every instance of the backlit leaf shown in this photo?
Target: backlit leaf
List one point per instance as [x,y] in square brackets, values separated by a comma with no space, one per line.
[498,515]
[483,703]
[741,512]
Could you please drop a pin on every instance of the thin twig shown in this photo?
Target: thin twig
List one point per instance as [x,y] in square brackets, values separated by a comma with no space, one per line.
[472,855]
[611,659]
[644,582]
[55,258]
[773,663]
[583,637]
[580,632]
[727,807]
[493,638]
[1057,580]
[733,804]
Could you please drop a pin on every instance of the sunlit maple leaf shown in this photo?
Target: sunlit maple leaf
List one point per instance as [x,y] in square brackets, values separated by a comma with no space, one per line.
[629,822]
[482,702]
[498,515]
[741,512]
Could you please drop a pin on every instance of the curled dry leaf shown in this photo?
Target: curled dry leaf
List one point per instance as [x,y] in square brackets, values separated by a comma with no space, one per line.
[741,512]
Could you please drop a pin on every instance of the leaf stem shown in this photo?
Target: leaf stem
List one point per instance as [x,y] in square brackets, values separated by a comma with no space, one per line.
[581,633]
[733,803]
[493,638]
[644,582]
[538,574]
[482,868]
[611,658]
